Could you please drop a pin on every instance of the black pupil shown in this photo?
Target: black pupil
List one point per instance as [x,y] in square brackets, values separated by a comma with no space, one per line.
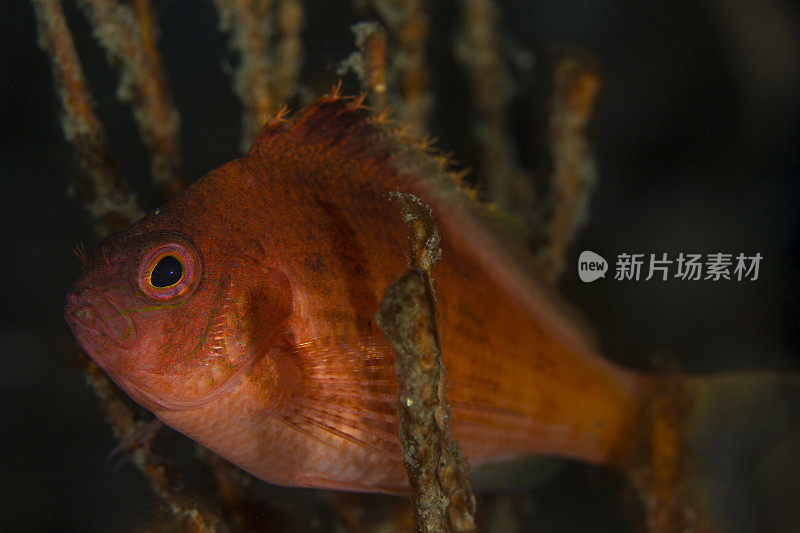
[168,271]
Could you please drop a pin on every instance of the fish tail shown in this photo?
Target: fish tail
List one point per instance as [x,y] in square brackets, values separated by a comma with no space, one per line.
[718,443]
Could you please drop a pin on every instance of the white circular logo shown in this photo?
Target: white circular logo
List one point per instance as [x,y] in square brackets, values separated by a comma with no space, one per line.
[591,266]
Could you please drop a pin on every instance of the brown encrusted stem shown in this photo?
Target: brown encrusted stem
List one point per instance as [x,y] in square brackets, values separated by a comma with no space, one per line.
[575,86]
[440,489]
[374,49]
[103,194]
[160,475]
[411,61]
[369,62]
[407,22]
[250,26]
[243,510]
[423,237]
[491,87]
[264,78]
[290,49]
[128,36]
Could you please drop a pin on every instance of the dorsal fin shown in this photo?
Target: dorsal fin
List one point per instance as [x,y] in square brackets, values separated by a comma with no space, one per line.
[334,130]
[331,121]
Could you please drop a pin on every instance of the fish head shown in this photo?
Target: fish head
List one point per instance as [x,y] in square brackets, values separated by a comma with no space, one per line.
[174,317]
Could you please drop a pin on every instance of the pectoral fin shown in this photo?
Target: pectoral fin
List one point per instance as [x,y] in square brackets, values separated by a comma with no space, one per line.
[347,396]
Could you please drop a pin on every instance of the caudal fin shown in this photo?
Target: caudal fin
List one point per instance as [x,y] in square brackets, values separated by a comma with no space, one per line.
[734,461]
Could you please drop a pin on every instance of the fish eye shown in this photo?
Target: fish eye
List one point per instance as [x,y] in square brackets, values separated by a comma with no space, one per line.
[167,272]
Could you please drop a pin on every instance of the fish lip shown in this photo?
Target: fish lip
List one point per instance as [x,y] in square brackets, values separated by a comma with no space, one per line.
[75,304]
[96,320]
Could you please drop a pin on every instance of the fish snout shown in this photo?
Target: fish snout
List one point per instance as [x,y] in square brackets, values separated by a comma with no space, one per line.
[96,321]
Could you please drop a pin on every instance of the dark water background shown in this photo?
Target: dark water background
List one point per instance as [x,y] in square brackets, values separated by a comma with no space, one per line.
[697,139]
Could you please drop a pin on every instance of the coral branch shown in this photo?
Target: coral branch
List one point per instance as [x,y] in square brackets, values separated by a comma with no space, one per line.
[575,85]
[410,60]
[264,79]
[369,63]
[289,57]
[407,22]
[374,48]
[112,207]
[242,508]
[103,194]
[250,26]
[491,86]
[128,36]
[123,423]
[440,490]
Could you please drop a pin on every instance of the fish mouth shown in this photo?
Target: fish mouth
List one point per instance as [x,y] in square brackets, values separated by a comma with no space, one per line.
[96,321]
